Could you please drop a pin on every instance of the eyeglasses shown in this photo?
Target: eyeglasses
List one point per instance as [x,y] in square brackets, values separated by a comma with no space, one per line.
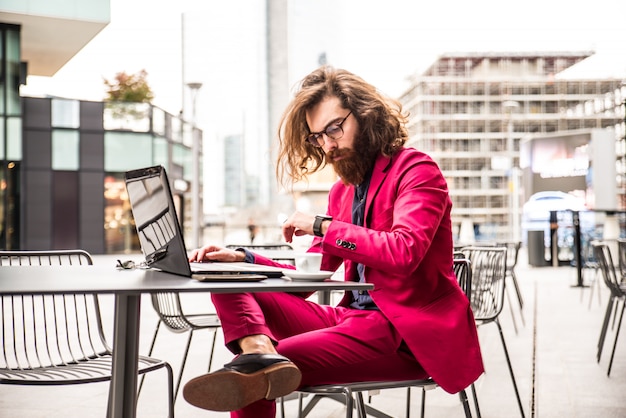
[334,131]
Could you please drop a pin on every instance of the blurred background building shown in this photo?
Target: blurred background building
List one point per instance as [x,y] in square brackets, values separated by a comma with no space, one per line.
[470,111]
[62,161]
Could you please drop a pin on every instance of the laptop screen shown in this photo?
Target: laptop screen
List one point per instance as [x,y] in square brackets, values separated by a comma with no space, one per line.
[156,221]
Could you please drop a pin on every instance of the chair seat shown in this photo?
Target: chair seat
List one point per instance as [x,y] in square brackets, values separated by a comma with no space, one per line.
[374,385]
[203,320]
[85,370]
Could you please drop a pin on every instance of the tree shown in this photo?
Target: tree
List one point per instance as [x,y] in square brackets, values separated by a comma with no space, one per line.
[132,88]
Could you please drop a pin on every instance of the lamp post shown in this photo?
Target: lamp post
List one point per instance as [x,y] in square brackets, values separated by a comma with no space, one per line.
[514,200]
[195,168]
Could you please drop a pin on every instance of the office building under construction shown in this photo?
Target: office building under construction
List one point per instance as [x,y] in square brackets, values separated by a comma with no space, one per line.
[470,111]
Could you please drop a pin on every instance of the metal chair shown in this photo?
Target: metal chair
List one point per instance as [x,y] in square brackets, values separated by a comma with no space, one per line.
[58,339]
[590,267]
[617,294]
[170,311]
[488,289]
[351,394]
[512,253]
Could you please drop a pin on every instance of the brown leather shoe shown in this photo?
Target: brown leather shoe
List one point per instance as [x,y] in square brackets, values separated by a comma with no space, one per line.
[247,379]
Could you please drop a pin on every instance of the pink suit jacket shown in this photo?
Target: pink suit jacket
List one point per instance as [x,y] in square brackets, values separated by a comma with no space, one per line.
[406,247]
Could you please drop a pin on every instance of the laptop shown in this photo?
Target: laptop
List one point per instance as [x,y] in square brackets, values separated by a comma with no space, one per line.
[161,238]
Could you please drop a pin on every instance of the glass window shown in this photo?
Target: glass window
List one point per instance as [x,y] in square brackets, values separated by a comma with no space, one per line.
[14,141]
[160,151]
[125,151]
[2,155]
[158,121]
[65,154]
[65,113]
[13,73]
[182,156]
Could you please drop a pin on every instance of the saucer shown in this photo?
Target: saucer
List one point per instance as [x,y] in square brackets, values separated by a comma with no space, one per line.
[317,276]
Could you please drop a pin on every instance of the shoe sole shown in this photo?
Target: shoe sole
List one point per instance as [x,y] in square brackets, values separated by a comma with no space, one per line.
[229,390]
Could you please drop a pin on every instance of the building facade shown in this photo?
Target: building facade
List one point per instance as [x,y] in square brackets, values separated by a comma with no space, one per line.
[70,179]
[62,161]
[469,112]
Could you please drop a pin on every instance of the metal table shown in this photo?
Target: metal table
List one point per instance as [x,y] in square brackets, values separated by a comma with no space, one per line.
[127,286]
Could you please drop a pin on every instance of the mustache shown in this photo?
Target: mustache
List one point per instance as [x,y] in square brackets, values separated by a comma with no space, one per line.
[340,152]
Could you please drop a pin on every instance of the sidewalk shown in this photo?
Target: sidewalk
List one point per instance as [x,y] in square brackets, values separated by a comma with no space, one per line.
[553,355]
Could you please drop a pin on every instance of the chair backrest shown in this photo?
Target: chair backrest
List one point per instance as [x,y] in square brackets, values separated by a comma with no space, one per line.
[463,272]
[38,331]
[488,265]
[169,308]
[621,258]
[512,252]
[602,253]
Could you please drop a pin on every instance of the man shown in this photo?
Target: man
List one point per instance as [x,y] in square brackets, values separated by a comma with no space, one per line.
[388,221]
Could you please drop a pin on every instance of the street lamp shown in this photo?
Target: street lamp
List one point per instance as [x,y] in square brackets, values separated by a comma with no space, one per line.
[195,168]
[514,172]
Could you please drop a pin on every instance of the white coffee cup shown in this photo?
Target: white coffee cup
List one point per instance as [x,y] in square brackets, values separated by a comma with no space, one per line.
[308,262]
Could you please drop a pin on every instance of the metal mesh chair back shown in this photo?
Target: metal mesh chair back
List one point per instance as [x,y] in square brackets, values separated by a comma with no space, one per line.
[57,339]
[604,258]
[167,305]
[50,338]
[621,258]
[512,252]
[488,278]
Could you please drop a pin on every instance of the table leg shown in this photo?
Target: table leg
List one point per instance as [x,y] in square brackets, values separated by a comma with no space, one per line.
[323,297]
[123,389]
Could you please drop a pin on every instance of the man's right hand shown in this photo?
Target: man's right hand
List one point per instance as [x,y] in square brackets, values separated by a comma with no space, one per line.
[216,253]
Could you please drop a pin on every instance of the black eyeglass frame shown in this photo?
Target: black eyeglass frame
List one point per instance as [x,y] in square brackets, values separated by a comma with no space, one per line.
[316,138]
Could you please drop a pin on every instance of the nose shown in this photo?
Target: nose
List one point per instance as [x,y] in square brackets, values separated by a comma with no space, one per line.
[329,143]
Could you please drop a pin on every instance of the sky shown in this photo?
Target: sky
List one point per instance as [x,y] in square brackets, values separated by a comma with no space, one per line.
[385,42]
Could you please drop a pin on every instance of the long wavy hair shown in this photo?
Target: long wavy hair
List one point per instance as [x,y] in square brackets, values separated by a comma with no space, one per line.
[380,119]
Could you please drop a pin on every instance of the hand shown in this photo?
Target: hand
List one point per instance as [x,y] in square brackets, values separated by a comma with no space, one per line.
[298,224]
[215,253]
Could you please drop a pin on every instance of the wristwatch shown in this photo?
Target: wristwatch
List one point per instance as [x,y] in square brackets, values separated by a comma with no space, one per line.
[317,225]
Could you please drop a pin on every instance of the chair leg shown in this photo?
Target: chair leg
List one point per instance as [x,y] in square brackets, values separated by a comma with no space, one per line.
[408,402]
[465,403]
[423,405]
[360,405]
[475,401]
[182,365]
[508,360]
[619,325]
[605,326]
[212,350]
[349,402]
[508,299]
[282,407]
[592,284]
[170,389]
[615,307]
[154,337]
[518,291]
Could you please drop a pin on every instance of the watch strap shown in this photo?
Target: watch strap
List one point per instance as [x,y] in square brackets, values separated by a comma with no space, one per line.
[317,225]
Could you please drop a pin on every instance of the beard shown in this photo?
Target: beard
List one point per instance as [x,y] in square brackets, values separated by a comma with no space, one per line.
[353,167]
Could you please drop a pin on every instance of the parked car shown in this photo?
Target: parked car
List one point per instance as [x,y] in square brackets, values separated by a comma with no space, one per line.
[536,215]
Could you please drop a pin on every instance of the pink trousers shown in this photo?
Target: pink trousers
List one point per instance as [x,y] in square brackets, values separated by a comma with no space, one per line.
[328,344]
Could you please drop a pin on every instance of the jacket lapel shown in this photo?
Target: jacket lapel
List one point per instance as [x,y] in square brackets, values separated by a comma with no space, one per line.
[379,173]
